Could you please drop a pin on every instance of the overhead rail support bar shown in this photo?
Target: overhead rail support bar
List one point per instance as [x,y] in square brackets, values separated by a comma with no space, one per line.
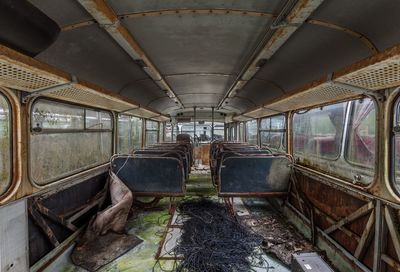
[48,90]
[108,20]
[291,17]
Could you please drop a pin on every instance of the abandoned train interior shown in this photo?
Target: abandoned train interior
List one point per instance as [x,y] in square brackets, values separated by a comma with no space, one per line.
[199,135]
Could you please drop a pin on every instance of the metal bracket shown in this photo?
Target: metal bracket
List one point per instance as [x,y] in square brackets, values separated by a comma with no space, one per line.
[48,90]
[112,26]
[284,24]
[376,94]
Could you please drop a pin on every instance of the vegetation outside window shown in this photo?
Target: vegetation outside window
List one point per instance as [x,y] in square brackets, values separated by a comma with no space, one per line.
[66,139]
[319,139]
[129,133]
[251,131]
[151,132]
[5,145]
[272,132]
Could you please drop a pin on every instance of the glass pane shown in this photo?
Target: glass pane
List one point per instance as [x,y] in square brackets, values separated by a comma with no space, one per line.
[361,148]
[57,155]
[219,131]
[318,132]
[251,131]
[151,137]
[129,133]
[265,123]
[161,132]
[278,122]
[5,145]
[151,125]
[169,130]
[98,120]
[54,115]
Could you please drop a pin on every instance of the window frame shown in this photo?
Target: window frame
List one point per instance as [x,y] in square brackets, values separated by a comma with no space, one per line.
[117,129]
[30,132]
[343,134]
[347,135]
[392,141]
[284,131]
[13,177]
[151,129]
[343,179]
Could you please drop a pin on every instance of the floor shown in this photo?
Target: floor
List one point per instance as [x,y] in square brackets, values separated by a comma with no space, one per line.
[150,225]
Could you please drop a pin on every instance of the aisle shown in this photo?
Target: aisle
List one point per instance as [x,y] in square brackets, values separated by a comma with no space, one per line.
[150,226]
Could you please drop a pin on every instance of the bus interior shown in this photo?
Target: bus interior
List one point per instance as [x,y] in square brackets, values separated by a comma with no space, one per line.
[199,136]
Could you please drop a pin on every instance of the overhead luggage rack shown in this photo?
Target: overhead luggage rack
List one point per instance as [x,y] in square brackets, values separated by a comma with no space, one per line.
[23,73]
[378,72]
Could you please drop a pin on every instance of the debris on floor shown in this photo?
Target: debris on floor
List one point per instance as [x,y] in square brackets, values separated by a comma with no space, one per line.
[97,253]
[104,239]
[212,240]
[280,238]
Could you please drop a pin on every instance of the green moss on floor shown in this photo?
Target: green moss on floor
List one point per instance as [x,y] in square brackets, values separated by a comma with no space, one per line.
[149,226]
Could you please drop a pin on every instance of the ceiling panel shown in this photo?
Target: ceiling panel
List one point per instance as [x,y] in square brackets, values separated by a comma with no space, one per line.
[128,6]
[92,55]
[378,20]
[259,91]
[200,99]
[145,90]
[198,43]
[191,83]
[64,12]
[311,53]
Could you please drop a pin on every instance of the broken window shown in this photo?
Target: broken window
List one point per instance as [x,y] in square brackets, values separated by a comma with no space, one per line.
[273,132]
[129,133]
[5,144]
[338,139]
[361,141]
[66,139]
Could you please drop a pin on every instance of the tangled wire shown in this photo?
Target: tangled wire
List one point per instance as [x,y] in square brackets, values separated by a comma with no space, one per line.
[213,241]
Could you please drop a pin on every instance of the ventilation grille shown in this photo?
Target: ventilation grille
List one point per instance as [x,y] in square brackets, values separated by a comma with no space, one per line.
[17,74]
[23,77]
[319,95]
[378,76]
[90,97]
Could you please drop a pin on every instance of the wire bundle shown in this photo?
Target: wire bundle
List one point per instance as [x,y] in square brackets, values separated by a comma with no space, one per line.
[213,241]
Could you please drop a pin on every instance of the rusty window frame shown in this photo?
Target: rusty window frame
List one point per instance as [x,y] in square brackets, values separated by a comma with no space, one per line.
[11,145]
[395,130]
[283,144]
[31,132]
[341,146]
[348,132]
[140,119]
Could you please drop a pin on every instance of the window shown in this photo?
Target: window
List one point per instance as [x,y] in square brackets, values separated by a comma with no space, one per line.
[241,132]
[338,139]
[67,139]
[161,133]
[318,132]
[251,131]
[273,132]
[169,132]
[5,145]
[219,131]
[151,132]
[361,147]
[129,133]
[396,145]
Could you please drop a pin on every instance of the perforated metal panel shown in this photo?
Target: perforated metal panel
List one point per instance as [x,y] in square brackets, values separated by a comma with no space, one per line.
[319,95]
[87,96]
[19,75]
[22,77]
[378,76]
